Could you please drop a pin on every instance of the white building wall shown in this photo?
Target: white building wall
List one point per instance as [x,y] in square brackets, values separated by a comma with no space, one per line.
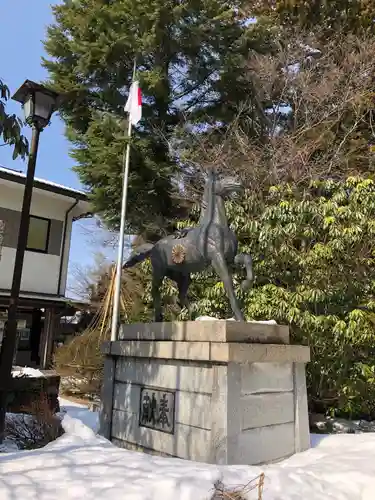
[40,271]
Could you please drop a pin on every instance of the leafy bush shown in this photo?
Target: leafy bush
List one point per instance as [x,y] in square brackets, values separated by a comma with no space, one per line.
[314,261]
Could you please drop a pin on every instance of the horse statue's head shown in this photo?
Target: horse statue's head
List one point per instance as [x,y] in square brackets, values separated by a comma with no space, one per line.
[225,186]
[228,187]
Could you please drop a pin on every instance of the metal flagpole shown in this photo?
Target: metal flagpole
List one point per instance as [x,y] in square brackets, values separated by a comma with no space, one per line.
[120,254]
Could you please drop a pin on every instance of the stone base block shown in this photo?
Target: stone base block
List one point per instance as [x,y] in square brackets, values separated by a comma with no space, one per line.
[178,390]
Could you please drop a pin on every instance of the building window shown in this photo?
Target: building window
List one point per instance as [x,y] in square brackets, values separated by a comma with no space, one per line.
[37,240]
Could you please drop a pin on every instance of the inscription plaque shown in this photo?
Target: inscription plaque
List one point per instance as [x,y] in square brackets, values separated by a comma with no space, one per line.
[157,409]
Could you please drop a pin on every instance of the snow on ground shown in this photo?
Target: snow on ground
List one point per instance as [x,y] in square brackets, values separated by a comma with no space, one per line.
[27,372]
[81,465]
[80,412]
[212,318]
[333,425]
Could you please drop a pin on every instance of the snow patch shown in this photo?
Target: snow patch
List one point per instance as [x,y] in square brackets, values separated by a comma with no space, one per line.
[310,50]
[27,372]
[332,425]
[212,318]
[80,413]
[81,465]
[77,428]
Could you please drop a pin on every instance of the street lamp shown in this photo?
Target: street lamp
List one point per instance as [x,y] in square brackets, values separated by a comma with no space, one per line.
[38,104]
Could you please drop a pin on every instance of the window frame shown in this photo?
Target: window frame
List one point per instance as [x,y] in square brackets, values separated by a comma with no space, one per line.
[38,250]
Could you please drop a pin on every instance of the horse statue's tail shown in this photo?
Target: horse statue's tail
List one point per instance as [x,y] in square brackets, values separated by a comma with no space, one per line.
[141,254]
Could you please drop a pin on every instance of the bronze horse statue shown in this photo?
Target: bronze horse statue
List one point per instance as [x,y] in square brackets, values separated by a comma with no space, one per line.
[211,243]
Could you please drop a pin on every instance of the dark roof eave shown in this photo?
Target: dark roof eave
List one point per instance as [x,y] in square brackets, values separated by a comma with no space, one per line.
[33,299]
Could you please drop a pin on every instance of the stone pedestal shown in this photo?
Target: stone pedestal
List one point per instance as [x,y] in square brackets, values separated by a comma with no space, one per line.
[215,391]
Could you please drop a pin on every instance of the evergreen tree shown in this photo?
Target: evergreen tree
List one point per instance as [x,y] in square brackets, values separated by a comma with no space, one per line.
[189,58]
[10,126]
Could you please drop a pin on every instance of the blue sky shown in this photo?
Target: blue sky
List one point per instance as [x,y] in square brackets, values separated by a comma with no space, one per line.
[23,26]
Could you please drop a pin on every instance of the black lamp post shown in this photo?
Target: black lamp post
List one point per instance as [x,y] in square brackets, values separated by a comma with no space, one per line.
[38,104]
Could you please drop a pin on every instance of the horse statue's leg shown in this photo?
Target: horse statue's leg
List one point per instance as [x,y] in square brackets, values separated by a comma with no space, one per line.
[183,282]
[221,267]
[245,260]
[157,280]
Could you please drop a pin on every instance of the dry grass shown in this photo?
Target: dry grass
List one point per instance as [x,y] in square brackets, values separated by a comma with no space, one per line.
[35,427]
[80,361]
[240,493]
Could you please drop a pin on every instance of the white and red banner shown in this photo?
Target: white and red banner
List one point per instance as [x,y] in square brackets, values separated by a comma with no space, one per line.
[133,105]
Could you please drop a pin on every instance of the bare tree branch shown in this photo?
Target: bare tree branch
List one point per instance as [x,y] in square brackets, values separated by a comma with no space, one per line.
[320,107]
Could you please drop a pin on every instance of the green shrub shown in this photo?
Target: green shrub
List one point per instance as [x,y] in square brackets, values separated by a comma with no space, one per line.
[314,260]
